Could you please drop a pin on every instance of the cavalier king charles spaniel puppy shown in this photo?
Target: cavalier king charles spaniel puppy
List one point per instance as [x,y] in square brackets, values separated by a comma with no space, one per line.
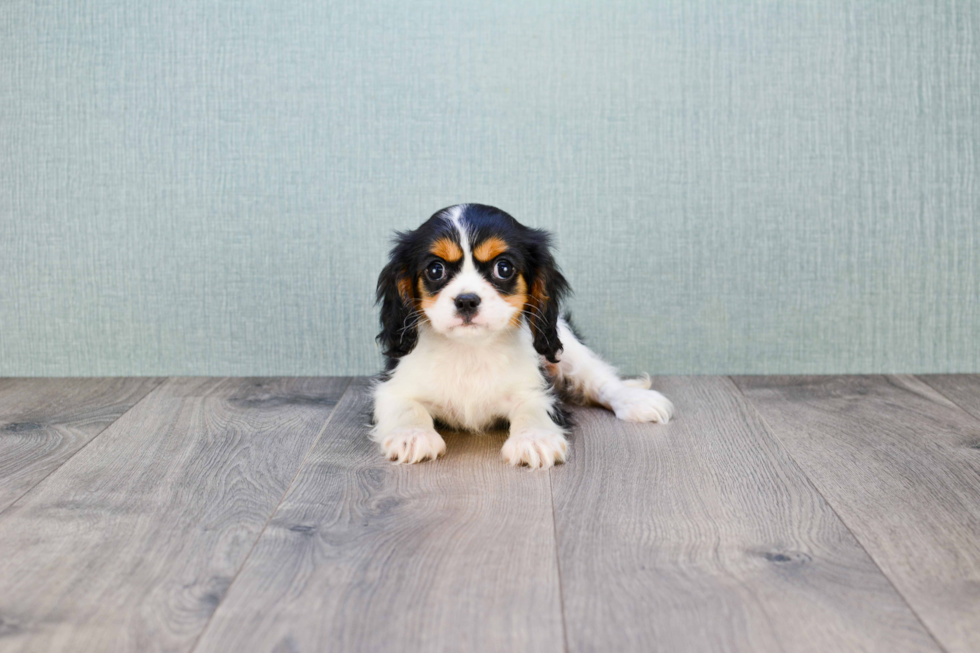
[472,331]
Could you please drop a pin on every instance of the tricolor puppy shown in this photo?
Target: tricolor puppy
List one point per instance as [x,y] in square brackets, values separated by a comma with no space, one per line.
[471,328]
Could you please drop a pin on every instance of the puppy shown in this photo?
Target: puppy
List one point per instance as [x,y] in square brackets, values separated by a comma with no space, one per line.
[472,333]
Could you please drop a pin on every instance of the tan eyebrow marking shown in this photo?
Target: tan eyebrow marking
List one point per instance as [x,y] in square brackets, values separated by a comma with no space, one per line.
[447,250]
[489,248]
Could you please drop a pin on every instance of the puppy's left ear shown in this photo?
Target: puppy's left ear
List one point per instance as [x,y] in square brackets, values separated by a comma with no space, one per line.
[548,289]
[399,330]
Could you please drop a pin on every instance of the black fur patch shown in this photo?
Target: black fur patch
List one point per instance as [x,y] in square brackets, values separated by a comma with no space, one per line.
[561,415]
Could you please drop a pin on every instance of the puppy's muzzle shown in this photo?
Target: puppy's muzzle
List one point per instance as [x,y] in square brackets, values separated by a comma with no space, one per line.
[467,305]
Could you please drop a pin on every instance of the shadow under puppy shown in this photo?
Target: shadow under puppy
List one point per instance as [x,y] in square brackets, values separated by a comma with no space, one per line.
[472,333]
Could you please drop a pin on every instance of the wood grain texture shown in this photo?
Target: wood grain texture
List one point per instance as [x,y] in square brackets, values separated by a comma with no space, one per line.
[703,535]
[901,465]
[365,555]
[43,422]
[961,389]
[131,544]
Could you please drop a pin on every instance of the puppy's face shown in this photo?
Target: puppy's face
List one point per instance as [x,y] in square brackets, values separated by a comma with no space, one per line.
[472,282]
[470,271]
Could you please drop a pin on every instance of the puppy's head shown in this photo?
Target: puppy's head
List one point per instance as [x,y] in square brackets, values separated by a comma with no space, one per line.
[470,272]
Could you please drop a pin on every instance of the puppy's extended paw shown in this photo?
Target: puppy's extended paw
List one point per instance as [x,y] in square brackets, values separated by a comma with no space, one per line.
[536,448]
[412,445]
[641,405]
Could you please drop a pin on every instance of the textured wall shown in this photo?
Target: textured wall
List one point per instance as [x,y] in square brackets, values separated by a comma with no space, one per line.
[207,186]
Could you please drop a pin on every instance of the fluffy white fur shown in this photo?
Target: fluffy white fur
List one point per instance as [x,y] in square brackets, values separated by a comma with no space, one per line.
[471,376]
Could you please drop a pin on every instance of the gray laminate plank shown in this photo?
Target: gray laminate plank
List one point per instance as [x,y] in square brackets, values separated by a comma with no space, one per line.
[962,389]
[131,544]
[365,555]
[703,535]
[899,464]
[43,422]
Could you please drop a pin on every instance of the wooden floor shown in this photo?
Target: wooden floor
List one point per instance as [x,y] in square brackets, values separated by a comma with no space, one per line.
[232,515]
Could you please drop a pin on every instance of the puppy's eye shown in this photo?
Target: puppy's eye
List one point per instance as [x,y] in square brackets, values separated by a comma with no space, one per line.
[435,271]
[503,269]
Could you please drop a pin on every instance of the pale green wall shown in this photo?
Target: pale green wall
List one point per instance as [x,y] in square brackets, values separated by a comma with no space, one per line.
[207,187]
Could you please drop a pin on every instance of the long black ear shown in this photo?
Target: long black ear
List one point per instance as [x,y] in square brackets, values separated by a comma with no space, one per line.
[399,328]
[548,289]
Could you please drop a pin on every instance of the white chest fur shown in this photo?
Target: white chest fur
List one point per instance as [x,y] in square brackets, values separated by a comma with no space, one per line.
[469,385]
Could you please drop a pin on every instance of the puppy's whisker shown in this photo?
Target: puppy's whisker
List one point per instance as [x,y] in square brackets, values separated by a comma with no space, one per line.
[412,325]
[416,316]
[405,324]
[409,325]
[537,317]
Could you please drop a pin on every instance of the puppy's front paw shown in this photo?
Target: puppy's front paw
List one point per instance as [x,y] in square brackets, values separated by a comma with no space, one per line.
[536,448]
[412,445]
[640,405]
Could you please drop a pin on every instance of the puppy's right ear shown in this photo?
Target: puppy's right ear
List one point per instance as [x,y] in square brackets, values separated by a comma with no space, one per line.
[399,317]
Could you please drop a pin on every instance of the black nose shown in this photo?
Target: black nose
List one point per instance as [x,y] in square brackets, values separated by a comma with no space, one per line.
[466,304]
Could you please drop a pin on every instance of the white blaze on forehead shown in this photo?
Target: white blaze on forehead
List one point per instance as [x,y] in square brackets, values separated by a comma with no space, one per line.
[455,218]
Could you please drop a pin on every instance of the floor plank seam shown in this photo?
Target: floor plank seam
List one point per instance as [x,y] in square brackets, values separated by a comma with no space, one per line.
[561,587]
[772,434]
[258,538]
[149,392]
[950,399]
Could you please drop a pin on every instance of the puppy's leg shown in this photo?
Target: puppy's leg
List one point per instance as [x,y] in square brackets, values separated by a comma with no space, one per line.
[403,427]
[535,440]
[596,381]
